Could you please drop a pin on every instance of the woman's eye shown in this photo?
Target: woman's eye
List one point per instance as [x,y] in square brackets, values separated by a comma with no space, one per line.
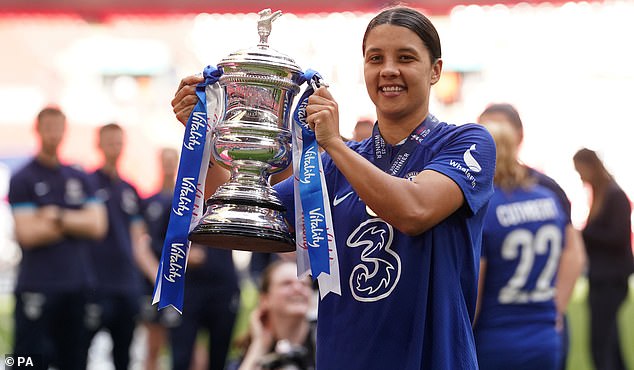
[374,58]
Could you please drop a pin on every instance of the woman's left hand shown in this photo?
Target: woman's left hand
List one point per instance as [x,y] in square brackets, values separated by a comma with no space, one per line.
[323,117]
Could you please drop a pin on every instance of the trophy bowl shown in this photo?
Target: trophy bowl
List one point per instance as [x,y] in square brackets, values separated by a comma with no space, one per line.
[253,141]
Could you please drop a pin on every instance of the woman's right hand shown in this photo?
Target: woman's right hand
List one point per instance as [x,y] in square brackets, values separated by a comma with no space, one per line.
[260,328]
[185,98]
[261,339]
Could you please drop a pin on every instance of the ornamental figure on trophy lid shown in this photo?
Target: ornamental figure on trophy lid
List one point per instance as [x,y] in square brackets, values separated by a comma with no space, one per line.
[265,23]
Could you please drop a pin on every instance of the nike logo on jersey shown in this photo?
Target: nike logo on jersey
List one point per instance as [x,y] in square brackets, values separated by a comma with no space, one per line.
[336,201]
[470,161]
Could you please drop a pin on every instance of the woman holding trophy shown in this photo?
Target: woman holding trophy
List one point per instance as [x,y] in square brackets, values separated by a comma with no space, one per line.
[408,206]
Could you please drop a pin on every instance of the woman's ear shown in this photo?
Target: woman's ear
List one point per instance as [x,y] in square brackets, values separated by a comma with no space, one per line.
[436,70]
[263,302]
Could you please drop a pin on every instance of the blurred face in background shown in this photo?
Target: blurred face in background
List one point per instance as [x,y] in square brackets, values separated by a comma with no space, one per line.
[169,161]
[50,128]
[287,295]
[501,118]
[111,143]
[586,173]
[362,130]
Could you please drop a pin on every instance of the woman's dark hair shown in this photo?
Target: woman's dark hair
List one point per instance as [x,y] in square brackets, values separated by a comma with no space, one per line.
[590,158]
[412,20]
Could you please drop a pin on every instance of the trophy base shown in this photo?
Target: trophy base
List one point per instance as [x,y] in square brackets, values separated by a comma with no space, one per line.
[246,227]
[241,238]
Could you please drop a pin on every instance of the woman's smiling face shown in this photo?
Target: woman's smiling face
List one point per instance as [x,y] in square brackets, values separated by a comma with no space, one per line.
[398,72]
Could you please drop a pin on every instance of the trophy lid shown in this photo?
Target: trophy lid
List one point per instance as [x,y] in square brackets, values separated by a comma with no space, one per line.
[262,55]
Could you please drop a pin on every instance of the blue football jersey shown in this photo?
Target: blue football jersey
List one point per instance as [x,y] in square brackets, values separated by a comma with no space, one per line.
[523,237]
[407,302]
[113,256]
[63,266]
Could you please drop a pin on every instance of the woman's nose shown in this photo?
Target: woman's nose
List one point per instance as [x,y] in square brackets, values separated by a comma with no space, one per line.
[390,69]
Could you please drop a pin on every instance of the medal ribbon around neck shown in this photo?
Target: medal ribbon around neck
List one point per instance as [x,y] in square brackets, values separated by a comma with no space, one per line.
[188,199]
[382,151]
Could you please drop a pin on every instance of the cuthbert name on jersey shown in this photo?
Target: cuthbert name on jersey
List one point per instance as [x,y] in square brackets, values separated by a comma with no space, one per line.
[528,211]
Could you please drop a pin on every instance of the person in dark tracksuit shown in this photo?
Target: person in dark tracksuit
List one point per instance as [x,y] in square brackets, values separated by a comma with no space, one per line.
[57,217]
[156,213]
[115,304]
[211,302]
[212,298]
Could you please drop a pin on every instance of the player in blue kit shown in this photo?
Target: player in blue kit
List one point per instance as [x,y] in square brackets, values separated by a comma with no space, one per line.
[521,296]
[115,304]
[575,258]
[57,216]
[408,223]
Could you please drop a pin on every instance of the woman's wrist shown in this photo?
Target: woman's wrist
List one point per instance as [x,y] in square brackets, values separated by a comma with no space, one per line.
[261,344]
[333,144]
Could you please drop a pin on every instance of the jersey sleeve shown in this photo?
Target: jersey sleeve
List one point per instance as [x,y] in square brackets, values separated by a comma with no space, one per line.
[285,192]
[21,194]
[137,216]
[90,184]
[468,158]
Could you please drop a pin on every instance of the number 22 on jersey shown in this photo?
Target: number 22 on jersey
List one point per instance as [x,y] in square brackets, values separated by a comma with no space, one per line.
[526,246]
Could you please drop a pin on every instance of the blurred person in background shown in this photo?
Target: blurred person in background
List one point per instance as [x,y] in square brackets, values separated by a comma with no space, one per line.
[258,263]
[211,301]
[525,282]
[57,218]
[156,212]
[280,333]
[115,303]
[507,114]
[607,236]
[362,129]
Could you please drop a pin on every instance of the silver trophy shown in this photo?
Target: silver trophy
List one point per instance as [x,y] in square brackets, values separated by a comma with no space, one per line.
[252,140]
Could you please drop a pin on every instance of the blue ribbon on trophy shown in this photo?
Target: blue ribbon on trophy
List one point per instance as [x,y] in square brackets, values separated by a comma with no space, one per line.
[187,203]
[316,247]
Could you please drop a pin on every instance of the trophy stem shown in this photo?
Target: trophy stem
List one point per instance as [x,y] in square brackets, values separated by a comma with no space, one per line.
[245,213]
[248,184]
